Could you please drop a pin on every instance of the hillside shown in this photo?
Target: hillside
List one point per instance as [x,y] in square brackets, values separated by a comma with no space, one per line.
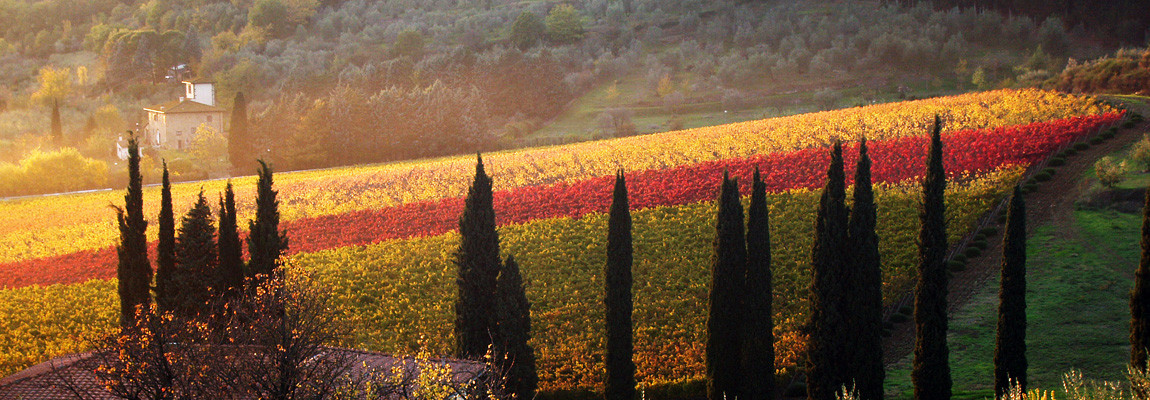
[381,237]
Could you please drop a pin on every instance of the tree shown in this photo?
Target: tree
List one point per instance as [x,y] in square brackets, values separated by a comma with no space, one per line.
[1010,344]
[57,126]
[564,24]
[620,377]
[239,139]
[758,323]
[55,85]
[409,43]
[1140,298]
[272,16]
[133,272]
[931,370]
[513,331]
[266,244]
[166,249]
[527,31]
[197,260]
[477,261]
[828,342]
[865,286]
[231,251]
[728,271]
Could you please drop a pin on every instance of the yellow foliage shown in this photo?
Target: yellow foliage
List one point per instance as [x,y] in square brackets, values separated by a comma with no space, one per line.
[55,84]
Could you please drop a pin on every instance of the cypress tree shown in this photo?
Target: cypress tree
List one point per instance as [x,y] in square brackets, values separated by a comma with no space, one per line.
[931,370]
[240,146]
[1010,344]
[514,330]
[231,252]
[477,260]
[265,241]
[758,323]
[133,271]
[196,261]
[1140,298]
[57,126]
[828,343]
[620,377]
[865,286]
[166,248]
[729,269]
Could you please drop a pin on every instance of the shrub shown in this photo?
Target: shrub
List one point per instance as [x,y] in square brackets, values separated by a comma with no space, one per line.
[1128,124]
[979,236]
[972,252]
[980,244]
[1095,140]
[1110,171]
[1140,153]
[988,231]
[1069,151]
[1081,146]
[959,257]
[1042,176]
[956,266]
[899,318]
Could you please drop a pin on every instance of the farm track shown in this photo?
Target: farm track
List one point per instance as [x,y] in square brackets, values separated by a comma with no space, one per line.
[1053,202]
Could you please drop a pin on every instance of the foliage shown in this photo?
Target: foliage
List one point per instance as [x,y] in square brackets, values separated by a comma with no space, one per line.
[57,171]
[619,363]
[564,24]
[1010,344]
[478,263]
[829,325]
[931,373]
[1140,153]
[725,311]
[527,31]
[1126,71]
[196,278]
[133,270]
[55,85]
[1140,298]
[758,352]
[865,320]
[266,242]
[209,147]
[1110,171]
[240,146]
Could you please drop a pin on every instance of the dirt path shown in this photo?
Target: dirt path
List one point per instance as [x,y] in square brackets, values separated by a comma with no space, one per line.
[1053,202]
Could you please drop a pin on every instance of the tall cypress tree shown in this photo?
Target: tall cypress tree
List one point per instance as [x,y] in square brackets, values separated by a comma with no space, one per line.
[1010,344]
[196,262]
[477,260]
[620,377]
[864,285]
[1140,298]
[828,342]
[57,126]
[728,270]
[166,248]
[514,330]
[133,271]
[758,321]
[265,241]
[931,370]
[231,253]
[240,146]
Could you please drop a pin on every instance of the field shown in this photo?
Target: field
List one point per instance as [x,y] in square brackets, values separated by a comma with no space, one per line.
[382,237]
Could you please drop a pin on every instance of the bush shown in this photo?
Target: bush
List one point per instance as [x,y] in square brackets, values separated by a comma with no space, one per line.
[58,171]
[959,257]
[899,318]
[1069,151]
[1128,124]
[1140,153]
[1081,146]
[972,252]
[1135,117]
[980,244]
[956,266]
[1042,176]
[988,231]
[1096,140]
[978,236]
[1057,162]
[1110,171]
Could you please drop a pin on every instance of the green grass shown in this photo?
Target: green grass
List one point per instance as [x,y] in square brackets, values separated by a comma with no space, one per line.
[1077,310]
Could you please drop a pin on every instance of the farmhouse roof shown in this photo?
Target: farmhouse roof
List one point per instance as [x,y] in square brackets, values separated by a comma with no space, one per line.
[199,80]
[56,378]
[183,106]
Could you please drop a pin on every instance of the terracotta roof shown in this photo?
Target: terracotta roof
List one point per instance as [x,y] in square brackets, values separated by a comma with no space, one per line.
[54,379]
[200,80]
[183,106]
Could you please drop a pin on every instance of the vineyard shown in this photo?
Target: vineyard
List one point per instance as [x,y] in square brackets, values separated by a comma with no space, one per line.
[382,237]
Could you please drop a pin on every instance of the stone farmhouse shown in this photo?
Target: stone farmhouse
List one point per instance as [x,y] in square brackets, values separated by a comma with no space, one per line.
[173,125]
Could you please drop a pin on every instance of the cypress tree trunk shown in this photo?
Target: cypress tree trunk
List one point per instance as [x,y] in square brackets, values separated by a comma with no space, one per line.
[57,126]
[620,377]
[724,345]
[1140,298]
[240,148]
[231,254]
[478,263]
[514,311]
[265,241]
[196,262]
[828,344]
[1010,344]
[865,286]
[931,370]
[133,272]
[166,248]
[758,323]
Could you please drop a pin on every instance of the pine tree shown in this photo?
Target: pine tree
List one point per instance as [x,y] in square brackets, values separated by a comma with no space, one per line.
[828,342]
[477,260]
[864,284]
[620,377]
[931,370]
[1140,298]
[758,323]
[196,262]
[724,325]
[1010,344]
[231,253]
[514,330]
[133,271]
[265,241]
[240,146]
[57,126]
[166,248]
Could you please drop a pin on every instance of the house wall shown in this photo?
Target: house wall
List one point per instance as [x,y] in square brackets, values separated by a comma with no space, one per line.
[176,131]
